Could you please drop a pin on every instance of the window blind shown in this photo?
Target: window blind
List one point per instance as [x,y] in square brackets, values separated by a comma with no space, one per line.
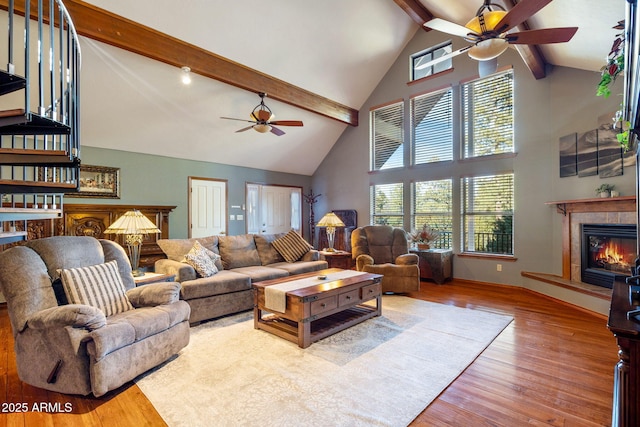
[487,213]
[387,204]
[487,115]
[387,136]
[432,205]
[432,127]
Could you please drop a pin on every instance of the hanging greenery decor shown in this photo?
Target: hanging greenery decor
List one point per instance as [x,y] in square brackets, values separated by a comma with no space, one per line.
[615,63]
[610,71]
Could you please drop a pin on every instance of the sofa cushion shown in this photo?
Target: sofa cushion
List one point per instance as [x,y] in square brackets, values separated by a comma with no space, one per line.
[202,260]
[301,266]
[97,285]
[238,251]
[291,246]
[259,272]
[268,254]
[223,282]
[176,249]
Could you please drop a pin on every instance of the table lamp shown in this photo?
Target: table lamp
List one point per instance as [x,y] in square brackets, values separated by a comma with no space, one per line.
[133,224]
[331,221]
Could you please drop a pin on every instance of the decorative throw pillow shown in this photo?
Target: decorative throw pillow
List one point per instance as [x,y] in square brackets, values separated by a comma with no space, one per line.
[97,285]
[202,260]
[291,246]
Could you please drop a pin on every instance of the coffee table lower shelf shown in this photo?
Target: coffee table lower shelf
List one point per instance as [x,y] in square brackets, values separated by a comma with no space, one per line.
[320,328]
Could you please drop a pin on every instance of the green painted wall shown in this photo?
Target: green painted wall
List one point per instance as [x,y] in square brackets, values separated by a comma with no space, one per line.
[156,180]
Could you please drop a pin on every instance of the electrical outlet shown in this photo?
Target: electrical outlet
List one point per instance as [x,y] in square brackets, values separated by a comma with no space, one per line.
[499,267]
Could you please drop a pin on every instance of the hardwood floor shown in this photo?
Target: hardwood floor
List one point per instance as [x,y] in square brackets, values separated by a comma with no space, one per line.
[552,366]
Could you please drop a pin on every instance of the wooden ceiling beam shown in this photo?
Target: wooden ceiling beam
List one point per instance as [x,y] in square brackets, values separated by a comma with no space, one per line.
[531,54]
[106,27]
[416,11]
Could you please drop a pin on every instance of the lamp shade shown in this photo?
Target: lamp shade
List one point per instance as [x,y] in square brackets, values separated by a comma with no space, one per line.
[132,222]
[330,220]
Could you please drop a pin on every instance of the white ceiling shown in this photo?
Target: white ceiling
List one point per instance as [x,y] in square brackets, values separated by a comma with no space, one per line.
[339,49]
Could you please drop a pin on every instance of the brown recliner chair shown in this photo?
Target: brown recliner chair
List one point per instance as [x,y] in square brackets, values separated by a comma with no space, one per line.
[383,249]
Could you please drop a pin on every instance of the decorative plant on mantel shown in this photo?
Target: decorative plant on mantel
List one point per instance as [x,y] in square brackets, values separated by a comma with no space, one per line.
[610,71]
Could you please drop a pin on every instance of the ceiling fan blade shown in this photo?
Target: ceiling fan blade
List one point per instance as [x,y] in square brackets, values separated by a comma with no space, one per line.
[544,36]
[488,67]
[244,129]
[443,58]
[287,123]
[448,27]
[240,120]
[520,13]
[276,131]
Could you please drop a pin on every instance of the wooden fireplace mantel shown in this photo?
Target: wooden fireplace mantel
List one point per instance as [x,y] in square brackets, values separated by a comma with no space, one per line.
[594,205]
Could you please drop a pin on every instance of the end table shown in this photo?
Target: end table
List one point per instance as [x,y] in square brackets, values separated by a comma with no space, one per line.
[338,259]
[148,278]
[435,264]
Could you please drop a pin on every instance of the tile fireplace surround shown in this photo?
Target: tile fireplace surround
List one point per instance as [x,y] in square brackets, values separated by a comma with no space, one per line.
[614,210]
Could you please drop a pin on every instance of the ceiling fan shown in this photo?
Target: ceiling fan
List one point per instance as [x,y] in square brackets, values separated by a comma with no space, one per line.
[489,33]
[263,119]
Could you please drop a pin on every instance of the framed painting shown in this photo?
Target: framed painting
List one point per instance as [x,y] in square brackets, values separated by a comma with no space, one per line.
[99,182]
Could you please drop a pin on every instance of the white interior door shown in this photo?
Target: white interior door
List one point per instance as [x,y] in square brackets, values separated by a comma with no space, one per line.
[208,207]
[276,210]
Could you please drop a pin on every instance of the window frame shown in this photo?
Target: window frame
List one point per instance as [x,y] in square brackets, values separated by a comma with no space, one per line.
[395,110]
[430,54]
[467,212]
[429,144]
[469,120]
[374,214]
[445,241]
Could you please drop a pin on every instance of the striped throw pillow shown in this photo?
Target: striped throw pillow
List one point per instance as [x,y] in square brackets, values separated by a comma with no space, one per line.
[291,246]
[98,285]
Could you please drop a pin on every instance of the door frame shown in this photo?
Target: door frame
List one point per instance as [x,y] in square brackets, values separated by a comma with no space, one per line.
[263,184]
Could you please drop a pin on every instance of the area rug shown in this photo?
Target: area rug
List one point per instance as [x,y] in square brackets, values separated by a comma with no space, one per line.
[382,372]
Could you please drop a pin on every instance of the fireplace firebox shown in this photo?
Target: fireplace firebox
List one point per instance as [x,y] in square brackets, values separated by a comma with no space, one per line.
[608,252]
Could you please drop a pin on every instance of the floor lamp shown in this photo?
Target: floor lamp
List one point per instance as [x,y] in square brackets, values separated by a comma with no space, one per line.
[331,221]
[133,224]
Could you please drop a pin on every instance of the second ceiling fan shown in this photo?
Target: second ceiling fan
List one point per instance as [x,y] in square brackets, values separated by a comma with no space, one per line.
[489,32]
[263,120]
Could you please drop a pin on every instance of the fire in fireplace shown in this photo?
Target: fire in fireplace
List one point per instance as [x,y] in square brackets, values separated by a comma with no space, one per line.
[608,251]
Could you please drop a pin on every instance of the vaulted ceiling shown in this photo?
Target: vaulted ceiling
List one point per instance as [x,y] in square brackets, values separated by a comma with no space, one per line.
[319,61]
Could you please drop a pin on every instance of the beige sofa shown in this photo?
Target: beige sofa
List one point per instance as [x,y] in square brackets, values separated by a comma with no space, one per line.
[245,259]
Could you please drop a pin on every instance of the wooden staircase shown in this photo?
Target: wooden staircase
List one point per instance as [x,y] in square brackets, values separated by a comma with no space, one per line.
[39,147]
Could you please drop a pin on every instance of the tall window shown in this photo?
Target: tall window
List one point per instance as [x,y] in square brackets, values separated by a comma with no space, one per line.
[420,62]
[431,205]
[487,214]
[487,115]
[432,127]
[387,204]
[387,137]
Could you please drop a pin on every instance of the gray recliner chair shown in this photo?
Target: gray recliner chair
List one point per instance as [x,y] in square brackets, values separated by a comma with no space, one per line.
[75,348]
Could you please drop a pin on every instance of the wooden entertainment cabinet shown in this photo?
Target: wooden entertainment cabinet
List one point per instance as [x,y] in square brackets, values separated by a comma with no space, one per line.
[93,219]
[626,393]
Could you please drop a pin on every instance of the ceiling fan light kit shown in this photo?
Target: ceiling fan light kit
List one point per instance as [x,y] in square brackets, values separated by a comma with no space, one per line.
[490,30]
[263,120]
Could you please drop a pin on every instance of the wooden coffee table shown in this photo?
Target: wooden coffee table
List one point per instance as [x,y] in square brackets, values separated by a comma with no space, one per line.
[317,311]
